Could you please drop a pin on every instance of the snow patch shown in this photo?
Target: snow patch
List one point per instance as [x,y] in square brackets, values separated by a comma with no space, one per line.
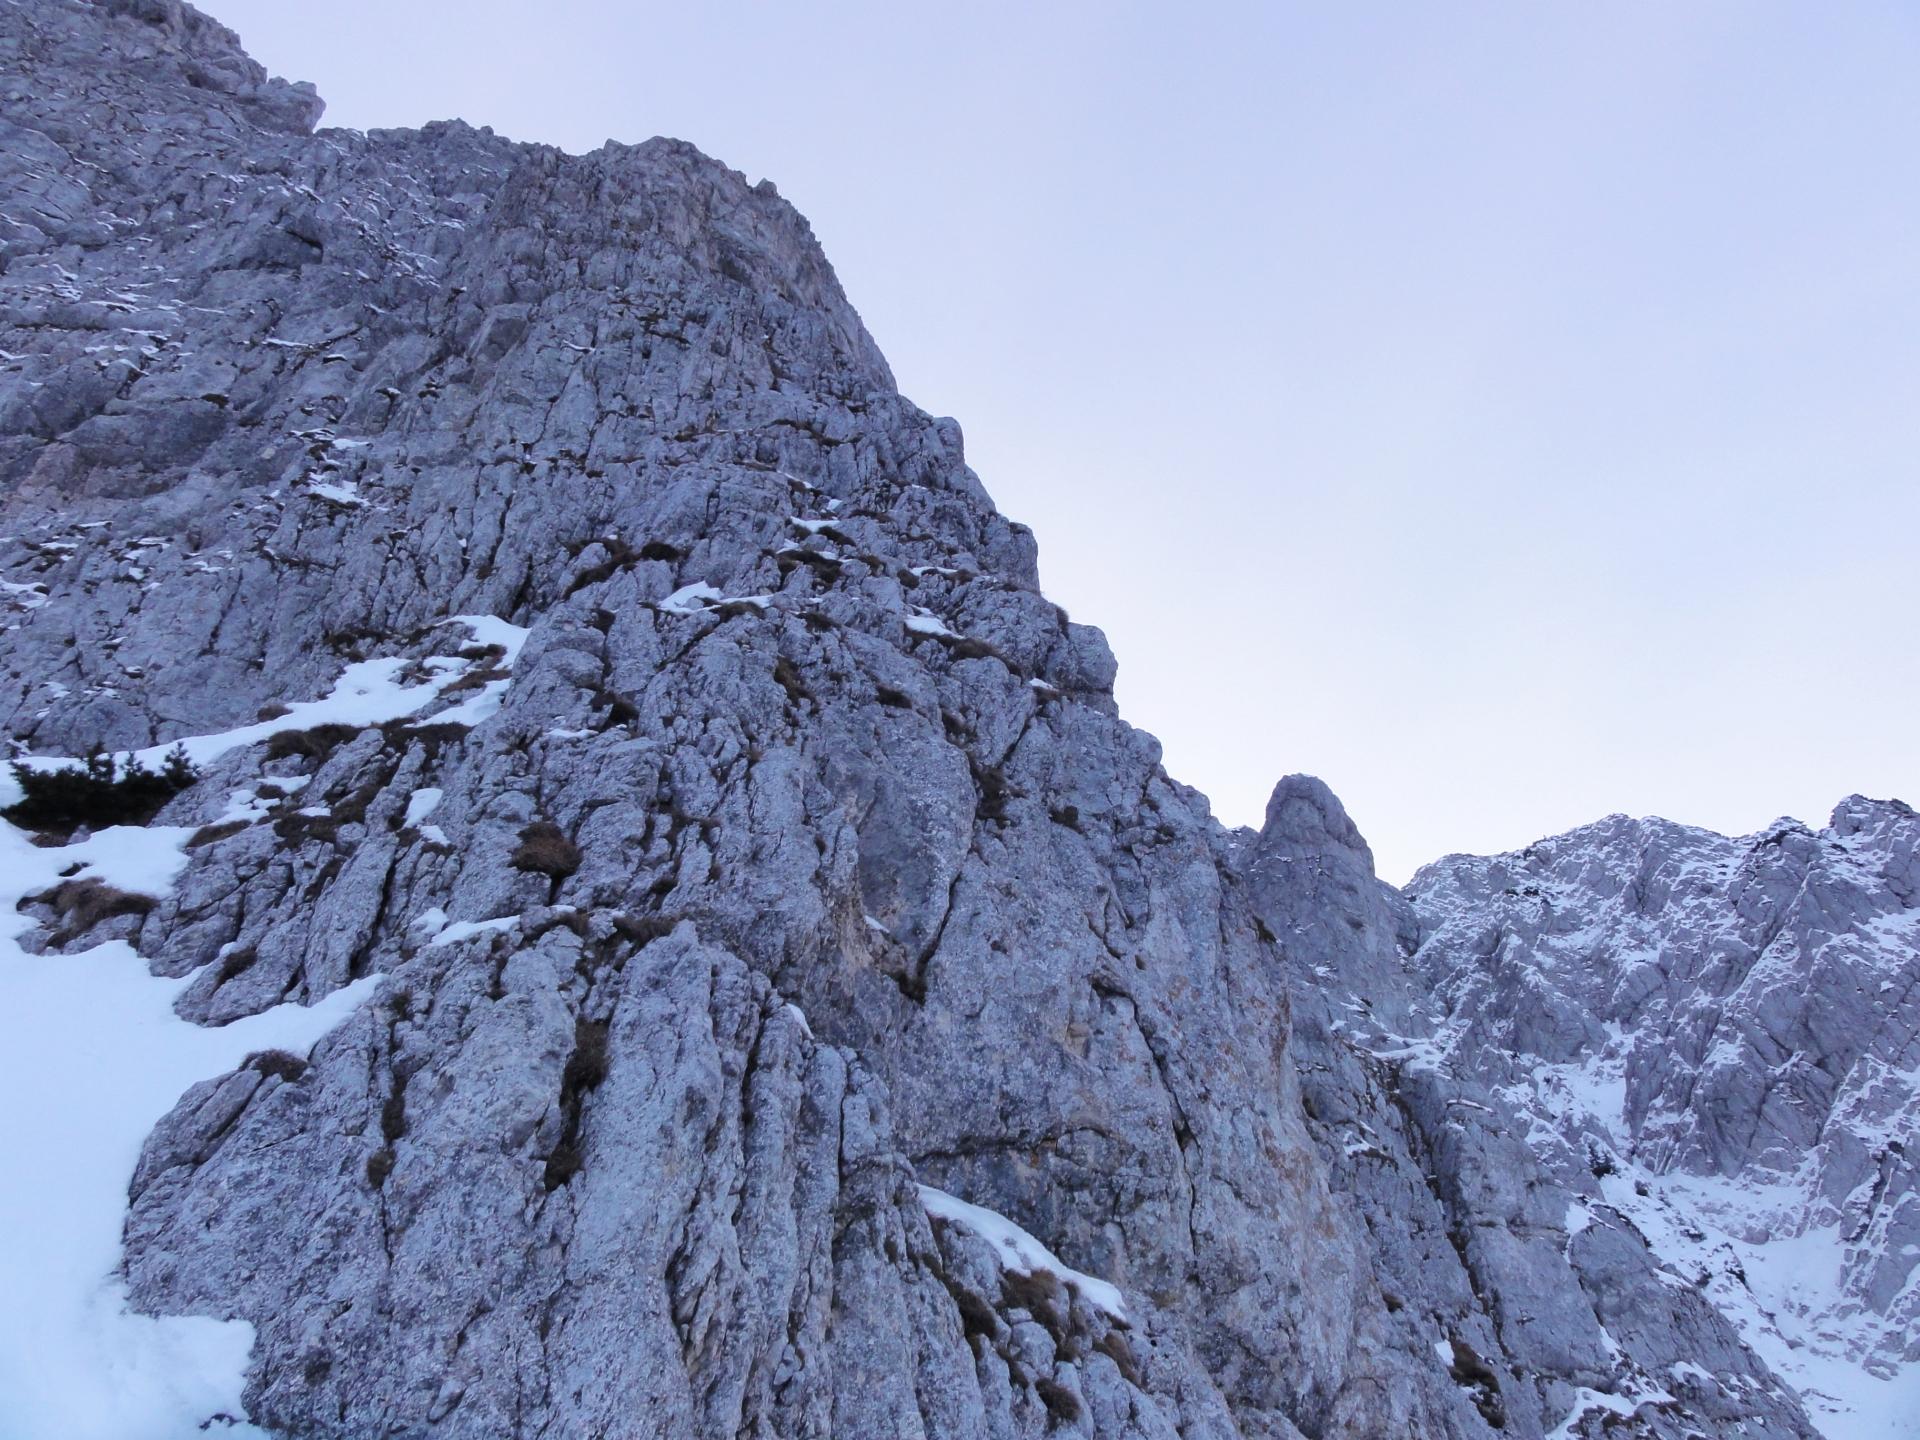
[74,1362]
[466,929]
[1017,1250]
[431,921]
[924,622]
[1585,1400]
[421,804]
[492,630]
[687,600]
[478,707]
[343,493]
[368,692]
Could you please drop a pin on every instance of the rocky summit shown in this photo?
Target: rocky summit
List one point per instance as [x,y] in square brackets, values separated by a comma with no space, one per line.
[653,926]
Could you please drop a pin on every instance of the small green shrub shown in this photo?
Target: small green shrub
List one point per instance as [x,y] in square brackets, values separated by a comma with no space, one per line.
[976,1315]
[295,829]
[316,743]
[643,930]
[619,555]
[1481,1383]
[825,567]
[351,808]
[282,1064]
[98,793]
[1115,1347]
[994,792]
[83,904]
[966,647]
[393,1116]
[570,920]
[1040,1294]
[563,1164]
[212,834]
[379,1166]
[1063,1406]
[546,850]
[788,676]
[236,962]
[587,1066]
[585,1070]
[399,734]
[620,710]
[475,679]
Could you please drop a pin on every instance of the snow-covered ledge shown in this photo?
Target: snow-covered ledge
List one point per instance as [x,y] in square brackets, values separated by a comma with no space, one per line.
[92,1056]
[1017,1250]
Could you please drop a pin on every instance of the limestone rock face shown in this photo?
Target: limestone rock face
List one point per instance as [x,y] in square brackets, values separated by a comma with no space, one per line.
[577,630]
[1550,1312]
[1714,1041]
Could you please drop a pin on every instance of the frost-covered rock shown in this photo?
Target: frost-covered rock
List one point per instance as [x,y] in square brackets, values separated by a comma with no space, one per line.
[578,632]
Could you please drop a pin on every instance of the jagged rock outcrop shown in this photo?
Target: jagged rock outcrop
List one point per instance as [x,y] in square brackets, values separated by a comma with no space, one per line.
[743,838]
[1717,1041]
[1540,1315]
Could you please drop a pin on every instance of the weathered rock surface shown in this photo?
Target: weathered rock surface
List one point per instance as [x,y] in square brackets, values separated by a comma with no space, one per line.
[1481,1244]
[1717,1041]
[797,859]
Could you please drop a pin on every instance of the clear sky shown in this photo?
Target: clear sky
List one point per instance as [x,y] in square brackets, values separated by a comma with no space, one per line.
[1507,411]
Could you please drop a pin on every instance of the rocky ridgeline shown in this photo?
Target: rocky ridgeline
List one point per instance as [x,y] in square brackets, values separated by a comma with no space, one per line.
[805,1007]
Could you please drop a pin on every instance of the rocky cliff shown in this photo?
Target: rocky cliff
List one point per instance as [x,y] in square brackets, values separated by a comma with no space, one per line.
[1717,1041]
[771,992]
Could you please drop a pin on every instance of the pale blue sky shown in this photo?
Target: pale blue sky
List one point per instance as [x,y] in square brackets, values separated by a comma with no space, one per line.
[1506,411]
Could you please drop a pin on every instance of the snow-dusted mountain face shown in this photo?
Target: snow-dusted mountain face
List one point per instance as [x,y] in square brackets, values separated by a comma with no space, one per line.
[670,936]
[1724,1034]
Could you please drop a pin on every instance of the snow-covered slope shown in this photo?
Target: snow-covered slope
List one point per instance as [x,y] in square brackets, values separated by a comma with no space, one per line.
[1719,1040]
